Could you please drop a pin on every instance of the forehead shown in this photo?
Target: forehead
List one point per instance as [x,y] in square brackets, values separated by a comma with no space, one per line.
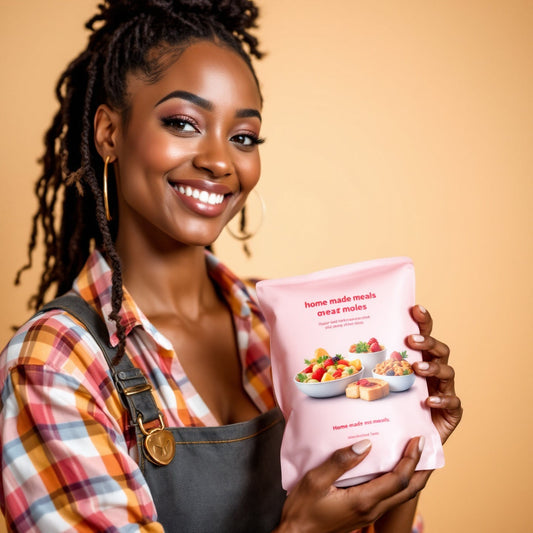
[215,73]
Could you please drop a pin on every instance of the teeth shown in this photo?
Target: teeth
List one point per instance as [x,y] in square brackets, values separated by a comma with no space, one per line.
[203,196]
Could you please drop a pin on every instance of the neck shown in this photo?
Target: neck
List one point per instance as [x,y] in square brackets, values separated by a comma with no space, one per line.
[174,282]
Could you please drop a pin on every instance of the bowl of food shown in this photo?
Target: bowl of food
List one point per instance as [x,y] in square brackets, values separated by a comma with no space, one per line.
[325,376]
[370,353]
[396,371]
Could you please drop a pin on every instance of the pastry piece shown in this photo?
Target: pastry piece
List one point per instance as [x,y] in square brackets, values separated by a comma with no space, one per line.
[368,389]
[352,390]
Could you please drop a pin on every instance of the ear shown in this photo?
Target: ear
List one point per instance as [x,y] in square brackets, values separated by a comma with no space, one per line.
[106,127]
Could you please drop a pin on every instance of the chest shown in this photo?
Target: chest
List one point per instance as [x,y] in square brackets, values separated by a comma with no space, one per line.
[207,352]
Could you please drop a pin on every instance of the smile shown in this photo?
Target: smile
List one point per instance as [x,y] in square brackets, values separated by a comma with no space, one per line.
[202,196]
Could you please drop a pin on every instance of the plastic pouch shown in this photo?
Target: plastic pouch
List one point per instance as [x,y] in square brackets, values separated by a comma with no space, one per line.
[342,370]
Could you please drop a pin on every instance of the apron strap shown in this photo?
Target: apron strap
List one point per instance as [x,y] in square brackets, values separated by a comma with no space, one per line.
[134,388]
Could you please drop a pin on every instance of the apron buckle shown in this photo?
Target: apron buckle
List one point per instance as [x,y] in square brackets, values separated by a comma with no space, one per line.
[159,444]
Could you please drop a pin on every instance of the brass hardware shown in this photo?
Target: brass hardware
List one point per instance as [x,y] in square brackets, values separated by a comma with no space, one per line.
[159,444]
[128,391]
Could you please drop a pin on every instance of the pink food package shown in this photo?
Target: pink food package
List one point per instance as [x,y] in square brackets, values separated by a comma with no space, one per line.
[342,370]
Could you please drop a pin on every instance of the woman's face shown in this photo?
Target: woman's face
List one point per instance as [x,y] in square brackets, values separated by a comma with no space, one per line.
[188,156]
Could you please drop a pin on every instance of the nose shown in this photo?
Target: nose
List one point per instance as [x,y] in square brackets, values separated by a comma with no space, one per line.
[214,156]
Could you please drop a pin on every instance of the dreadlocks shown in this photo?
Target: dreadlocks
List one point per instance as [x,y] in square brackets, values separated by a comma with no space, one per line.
[126,36]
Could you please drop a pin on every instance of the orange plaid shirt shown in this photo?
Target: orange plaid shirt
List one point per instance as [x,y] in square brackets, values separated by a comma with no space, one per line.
[68,448]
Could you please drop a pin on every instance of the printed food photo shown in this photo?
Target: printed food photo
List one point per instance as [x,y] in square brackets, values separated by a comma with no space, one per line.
[370,352]
[396,371]
[325,376]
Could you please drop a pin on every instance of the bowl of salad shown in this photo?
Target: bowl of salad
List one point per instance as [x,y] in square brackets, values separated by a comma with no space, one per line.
[325,376]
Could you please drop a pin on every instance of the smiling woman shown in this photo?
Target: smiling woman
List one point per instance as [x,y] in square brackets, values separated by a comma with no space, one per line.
[143,400]
[187,158]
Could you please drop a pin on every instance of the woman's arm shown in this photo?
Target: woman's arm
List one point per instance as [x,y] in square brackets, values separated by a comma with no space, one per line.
[65,462]
[398,520]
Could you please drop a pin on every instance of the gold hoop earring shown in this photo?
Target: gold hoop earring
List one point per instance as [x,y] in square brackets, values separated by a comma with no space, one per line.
[246,235]
[106,202]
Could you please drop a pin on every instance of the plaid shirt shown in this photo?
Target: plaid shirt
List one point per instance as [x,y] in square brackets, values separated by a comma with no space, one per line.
[68,450]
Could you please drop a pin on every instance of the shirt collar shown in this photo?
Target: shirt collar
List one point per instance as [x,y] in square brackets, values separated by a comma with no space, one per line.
[237,293]
[95,281]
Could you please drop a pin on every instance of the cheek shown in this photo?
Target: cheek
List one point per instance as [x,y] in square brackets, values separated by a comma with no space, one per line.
[250,171]
[149,149]
[156,153]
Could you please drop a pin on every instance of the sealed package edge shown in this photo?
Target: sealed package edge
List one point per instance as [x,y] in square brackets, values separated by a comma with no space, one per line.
[342,370]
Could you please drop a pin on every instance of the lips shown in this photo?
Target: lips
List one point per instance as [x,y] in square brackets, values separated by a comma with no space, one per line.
[202,197]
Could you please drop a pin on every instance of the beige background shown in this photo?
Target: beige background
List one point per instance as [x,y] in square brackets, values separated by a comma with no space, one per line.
[394,128]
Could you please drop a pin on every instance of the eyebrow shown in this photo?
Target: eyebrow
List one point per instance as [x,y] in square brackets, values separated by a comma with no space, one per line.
[206,104]
[245,113]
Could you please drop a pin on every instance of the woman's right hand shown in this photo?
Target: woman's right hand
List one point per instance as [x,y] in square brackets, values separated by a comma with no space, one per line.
[315,505]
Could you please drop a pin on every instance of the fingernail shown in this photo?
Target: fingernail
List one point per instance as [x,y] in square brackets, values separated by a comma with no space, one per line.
[417,338]
[435,399]
[422,309]
[424,365]
[361,447]
[421,443]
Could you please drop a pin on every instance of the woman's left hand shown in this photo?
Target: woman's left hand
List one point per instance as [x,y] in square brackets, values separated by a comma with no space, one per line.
[446,410]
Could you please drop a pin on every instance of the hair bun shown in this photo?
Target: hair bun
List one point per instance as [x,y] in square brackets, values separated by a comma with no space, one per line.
[236,16]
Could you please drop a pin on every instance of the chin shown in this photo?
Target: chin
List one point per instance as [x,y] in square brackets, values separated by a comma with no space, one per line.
[200,240]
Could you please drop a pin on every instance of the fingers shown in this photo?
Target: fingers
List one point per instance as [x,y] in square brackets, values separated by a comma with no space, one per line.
[440,382]
[342,460]
[444,373]
[446,410]
[399,479]
[450,402]
[424,342]
[445,405]
[443,397]
[441,389]
[316,505]
[429,345]
[422,317]
[417,483]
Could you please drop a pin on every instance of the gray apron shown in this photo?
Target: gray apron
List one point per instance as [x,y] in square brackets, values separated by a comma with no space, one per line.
[222,479]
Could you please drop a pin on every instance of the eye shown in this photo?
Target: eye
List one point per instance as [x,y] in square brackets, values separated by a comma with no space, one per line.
[247,139]
[180,124]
